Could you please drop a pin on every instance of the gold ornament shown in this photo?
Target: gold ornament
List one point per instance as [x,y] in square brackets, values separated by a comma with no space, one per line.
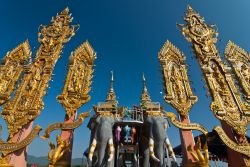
[27,101]
[190,126]
[179,93]
[239,60]
[57,152]
[64,125]
[202,160]
[10,147]
[11,69]
[243,149]
[78,81]
[227,104]
[4,161]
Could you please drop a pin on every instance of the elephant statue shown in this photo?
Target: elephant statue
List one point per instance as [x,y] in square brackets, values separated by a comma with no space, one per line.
[154,142]
[101,149]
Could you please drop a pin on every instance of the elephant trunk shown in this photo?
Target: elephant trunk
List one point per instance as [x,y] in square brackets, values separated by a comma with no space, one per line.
[170,148]
[151,150]
[92,149]
[111,149]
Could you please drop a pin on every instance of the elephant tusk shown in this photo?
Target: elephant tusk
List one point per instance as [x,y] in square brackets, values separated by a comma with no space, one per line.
[92,149]
[151,150]
[112,149]
[170,148]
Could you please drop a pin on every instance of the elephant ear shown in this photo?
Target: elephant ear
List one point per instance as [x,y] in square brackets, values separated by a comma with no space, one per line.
[92,123]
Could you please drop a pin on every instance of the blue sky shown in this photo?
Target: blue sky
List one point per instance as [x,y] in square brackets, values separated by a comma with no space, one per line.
[127,36]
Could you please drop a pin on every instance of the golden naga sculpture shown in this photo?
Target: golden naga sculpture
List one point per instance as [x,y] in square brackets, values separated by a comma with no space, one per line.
[57,152]
[243,149]
[10,147]
[185,126]
[239,60]
[227,104]
[64,125]
[11,68]
[6,148]
[27,101]
[179,93]
[78,81]
[202,160]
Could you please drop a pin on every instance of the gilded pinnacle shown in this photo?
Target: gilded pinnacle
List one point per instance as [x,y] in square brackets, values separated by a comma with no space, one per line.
[190,13]
[111,94]
[145,97]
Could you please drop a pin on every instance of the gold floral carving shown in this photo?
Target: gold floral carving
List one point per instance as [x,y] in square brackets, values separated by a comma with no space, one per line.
[27,101]
[190,126]
[179,93]
[244,149]
[64,125]
[78,81]
[9,147]
[239,60]
[227,104]
[11,69]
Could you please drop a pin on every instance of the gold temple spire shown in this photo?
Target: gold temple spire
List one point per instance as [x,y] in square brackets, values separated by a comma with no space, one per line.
[111,94]
[145,97]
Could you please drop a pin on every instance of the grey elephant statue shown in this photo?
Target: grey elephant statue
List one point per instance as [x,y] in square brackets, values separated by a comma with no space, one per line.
[101,149]
[155,143]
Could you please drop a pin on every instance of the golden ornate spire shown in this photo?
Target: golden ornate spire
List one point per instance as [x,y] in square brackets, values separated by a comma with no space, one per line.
[27,102]
[111,94]
[227,103]
[145,97]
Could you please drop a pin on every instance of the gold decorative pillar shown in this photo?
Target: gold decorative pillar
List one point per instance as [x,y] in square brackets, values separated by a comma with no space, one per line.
[75,91]
[20,112]
[227,104]
[178,93]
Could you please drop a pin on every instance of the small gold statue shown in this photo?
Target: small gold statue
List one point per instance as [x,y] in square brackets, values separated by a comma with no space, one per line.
[202,160]
[56,153]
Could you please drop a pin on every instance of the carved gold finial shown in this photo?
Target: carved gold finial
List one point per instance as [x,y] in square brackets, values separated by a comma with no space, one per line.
[145,97]
[111,97]
[63,18]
